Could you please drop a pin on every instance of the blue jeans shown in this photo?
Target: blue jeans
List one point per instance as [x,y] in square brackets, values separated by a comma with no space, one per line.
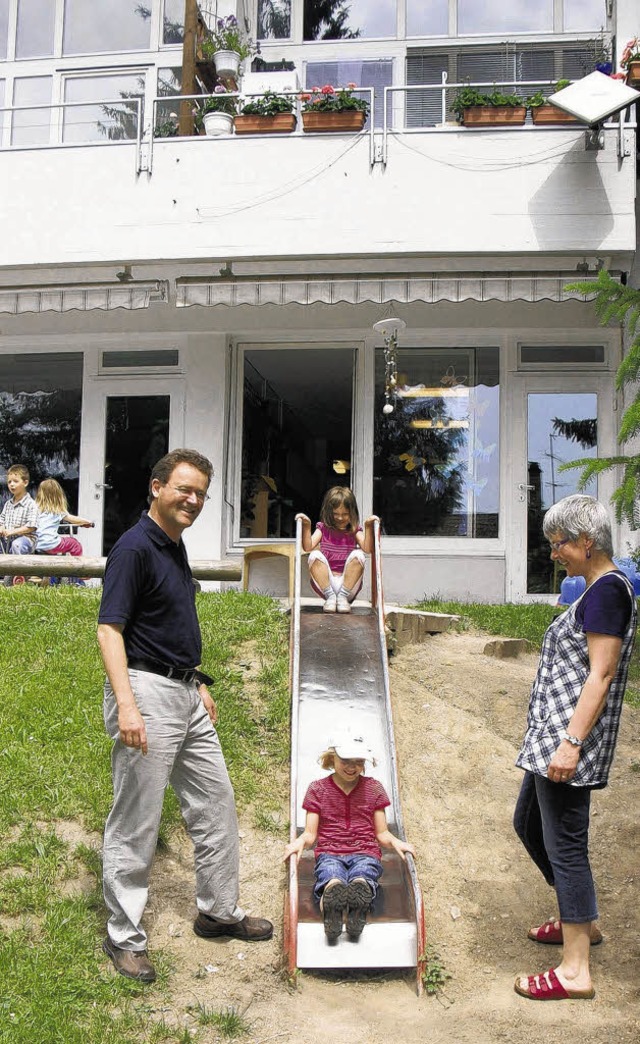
[552,821]
[345,868]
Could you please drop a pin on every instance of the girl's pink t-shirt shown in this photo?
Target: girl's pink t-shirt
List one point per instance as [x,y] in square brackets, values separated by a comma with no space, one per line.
[336,545]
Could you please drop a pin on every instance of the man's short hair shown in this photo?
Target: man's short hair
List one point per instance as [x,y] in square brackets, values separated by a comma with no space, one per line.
[19,469]
[165,467]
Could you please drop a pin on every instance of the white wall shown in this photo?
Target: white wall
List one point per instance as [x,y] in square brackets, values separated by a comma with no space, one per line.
[470,193]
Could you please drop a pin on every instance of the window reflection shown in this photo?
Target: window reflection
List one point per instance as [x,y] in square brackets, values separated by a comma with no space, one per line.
[342,20]
[108,119]
[168,112]
[31,126]
[583,15]
[40,409]
[427,17]
[105,25]
[436,458]
[36,20]
[274,19]
[173,22]
[365,74]
[518,16]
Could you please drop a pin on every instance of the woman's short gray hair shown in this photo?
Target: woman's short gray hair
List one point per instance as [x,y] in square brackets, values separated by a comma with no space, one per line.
[578,514]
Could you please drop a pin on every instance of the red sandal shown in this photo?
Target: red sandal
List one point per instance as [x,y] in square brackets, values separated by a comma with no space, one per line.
[547,986]
[551,932]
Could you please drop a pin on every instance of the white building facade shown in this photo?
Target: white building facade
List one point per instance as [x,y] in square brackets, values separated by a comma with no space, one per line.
[221,292]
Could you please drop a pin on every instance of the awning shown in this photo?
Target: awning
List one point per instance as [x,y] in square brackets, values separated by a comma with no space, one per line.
[81,296]
[428,288]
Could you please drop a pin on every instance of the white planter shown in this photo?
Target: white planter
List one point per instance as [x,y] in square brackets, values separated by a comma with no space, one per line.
[227,64]
[216,123]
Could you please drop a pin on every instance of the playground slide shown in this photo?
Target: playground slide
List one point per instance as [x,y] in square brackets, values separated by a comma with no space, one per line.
[340,680]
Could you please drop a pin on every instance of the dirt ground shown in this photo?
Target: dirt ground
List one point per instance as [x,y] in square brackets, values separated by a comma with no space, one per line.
[459,717]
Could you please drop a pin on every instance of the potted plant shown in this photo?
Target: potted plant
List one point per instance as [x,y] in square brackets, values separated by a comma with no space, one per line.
[333,109]
[542,112]
[216,112]
[473,108]
[630,61]
[227,45]
[271,113]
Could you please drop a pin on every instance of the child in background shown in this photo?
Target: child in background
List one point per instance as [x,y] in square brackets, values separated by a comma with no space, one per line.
[52,510]
[18,516]
[338,548]
[347,823]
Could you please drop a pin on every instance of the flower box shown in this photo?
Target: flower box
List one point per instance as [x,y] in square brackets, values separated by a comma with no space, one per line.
[633,73]
[549,115]
[345,120]
[281,123]
[494,115]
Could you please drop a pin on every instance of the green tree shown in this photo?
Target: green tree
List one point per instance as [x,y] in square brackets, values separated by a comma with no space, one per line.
[613,301]
[327,20]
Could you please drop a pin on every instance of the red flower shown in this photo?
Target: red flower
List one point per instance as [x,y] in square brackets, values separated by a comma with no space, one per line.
[305,97]
[327,89]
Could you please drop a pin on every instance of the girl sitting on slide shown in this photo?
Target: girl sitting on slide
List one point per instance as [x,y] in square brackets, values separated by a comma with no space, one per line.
[347,823]
[338,548]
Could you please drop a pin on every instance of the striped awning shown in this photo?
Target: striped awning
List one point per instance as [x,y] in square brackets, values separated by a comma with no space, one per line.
[428,288]
[82,297]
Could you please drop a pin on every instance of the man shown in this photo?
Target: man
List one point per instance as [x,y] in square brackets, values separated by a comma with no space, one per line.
[160,714]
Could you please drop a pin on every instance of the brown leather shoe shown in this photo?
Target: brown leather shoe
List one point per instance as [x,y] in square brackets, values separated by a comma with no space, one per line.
[133,963]
[249,929]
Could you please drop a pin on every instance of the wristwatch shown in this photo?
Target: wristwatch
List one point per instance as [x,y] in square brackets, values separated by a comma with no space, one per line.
[573,740]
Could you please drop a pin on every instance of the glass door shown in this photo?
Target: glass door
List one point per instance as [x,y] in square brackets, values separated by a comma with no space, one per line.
[129,425]
[555,418]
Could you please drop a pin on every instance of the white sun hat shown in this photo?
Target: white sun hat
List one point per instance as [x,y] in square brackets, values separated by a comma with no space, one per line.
[351,745]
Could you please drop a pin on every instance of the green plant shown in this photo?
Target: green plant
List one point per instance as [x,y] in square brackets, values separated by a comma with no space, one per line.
[229,1022]
[613,301]
[220,101]
[469,96]
[166,128]
[434,973]
[534,101]
[228,36]
[333,99]
[268,104]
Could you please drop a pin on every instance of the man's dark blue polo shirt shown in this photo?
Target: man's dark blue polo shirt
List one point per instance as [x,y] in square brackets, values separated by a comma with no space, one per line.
[148,587]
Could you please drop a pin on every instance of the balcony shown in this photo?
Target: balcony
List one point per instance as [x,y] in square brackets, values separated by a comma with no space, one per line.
[392,189]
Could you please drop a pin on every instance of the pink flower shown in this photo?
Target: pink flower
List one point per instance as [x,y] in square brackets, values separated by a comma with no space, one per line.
[315,90]
[327,89]
[351,86]
[305,97]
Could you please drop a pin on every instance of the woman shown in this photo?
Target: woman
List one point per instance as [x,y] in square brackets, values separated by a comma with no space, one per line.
[572,727]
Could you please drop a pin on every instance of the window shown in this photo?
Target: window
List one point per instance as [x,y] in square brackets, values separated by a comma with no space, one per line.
[169,86]
[36,21]
[427,19]
[518,16]
[103,117]
[551,355]
[31,126]
[581,16]
[40,409]
[342,20]
[139,360]
[296,434]
[105,25]
[436,457]
[4,27]
[376,74]
[274,19]
[173,22]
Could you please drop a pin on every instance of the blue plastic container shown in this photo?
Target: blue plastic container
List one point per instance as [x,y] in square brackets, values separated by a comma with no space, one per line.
[573,586]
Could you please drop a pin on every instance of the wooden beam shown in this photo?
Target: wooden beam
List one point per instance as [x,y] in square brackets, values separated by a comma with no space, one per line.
[70,565]
[185,123]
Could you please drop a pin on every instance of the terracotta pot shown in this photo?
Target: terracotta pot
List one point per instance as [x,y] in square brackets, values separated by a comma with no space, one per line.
[494,115]
[281,123]
[347,120]
[633,74]
[549,114]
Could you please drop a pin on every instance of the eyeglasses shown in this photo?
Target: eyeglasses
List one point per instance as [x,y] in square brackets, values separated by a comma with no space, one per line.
[557,544]
[186,491]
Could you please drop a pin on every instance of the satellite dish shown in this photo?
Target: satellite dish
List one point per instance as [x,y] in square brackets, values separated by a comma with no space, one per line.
[594,98]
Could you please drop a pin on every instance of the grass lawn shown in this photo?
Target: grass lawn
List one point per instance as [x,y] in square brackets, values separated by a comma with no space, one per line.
[54,765]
